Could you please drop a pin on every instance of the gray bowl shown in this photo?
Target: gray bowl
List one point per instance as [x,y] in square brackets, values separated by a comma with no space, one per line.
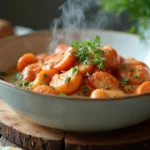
[75,114]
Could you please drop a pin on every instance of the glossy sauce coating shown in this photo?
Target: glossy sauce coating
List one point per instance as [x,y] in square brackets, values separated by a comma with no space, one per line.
[65,73]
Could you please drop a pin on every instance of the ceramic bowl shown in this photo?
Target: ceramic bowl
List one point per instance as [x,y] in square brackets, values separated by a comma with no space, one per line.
[74,114]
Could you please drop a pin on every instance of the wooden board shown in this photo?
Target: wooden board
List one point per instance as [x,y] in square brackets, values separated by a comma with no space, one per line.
[133,138]
[31,136]
[6,143]
[27,134]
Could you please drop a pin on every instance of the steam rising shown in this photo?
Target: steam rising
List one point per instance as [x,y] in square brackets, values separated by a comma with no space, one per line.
[73,17]
[79,14]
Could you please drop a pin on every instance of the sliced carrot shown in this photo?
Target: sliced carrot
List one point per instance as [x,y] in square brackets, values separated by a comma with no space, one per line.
[101,93]
[121,60]
[67,82]
[44,89]
[52,60]
[133,61]
[41,56]
[143,88]
[84,90]
[44,77]
[61,48]
[85,68]
[25,60]
[112,58]
[67,61]
[136,74]
[108,70]
[29,72]
[128,88]
[103,80]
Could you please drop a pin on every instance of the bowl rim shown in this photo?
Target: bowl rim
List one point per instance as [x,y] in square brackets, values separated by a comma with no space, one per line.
[129,97]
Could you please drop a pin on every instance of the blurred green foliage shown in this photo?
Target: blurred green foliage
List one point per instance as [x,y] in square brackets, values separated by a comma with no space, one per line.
[138,11]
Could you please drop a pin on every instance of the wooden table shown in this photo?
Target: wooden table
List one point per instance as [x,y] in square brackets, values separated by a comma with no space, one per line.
[31,136]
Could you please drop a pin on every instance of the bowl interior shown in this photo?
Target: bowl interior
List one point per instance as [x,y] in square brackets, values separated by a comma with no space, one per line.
[67,114]
[127,45]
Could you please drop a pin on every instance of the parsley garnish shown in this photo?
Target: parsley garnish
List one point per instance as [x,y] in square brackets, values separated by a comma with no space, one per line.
[74,71]
[85,90]
[123,67]
[52,87]
[44,83]
[62,94]
[131,69]
[67,79]
[124,81]
[17,77]
[136,77]
[29,86]
[23,83]
[88,52]
[45,76]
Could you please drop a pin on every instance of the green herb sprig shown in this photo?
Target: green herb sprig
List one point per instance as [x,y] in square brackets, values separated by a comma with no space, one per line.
[88,52]
[124,81]
[138,12]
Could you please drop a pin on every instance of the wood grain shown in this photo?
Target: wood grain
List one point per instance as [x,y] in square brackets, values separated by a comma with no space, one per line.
[27,134]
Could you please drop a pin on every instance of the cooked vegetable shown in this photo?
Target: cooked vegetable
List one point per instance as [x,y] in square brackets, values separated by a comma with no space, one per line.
[143,88]
[101,93]
[44,77]
[44,89]
[103,80]
[52,60]
[29,72]
[67,61]
[66,82]
[84,69]
[112,58]
[25,60]
[61,48]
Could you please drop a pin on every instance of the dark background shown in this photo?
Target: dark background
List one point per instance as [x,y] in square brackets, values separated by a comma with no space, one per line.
[35,14]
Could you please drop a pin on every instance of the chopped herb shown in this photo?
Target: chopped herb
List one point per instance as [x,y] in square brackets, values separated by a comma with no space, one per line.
[88,52]
[52,87]
[44,83]
[45,76]
[136,77]
[74,71]
[17,77]
[128,89]
[67,79]
[123,67]
[23,83]
[19,84]
[46,63]
[3,74]
[124,81]
[62,94]
[131,69]
[85,90]
[29,86]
